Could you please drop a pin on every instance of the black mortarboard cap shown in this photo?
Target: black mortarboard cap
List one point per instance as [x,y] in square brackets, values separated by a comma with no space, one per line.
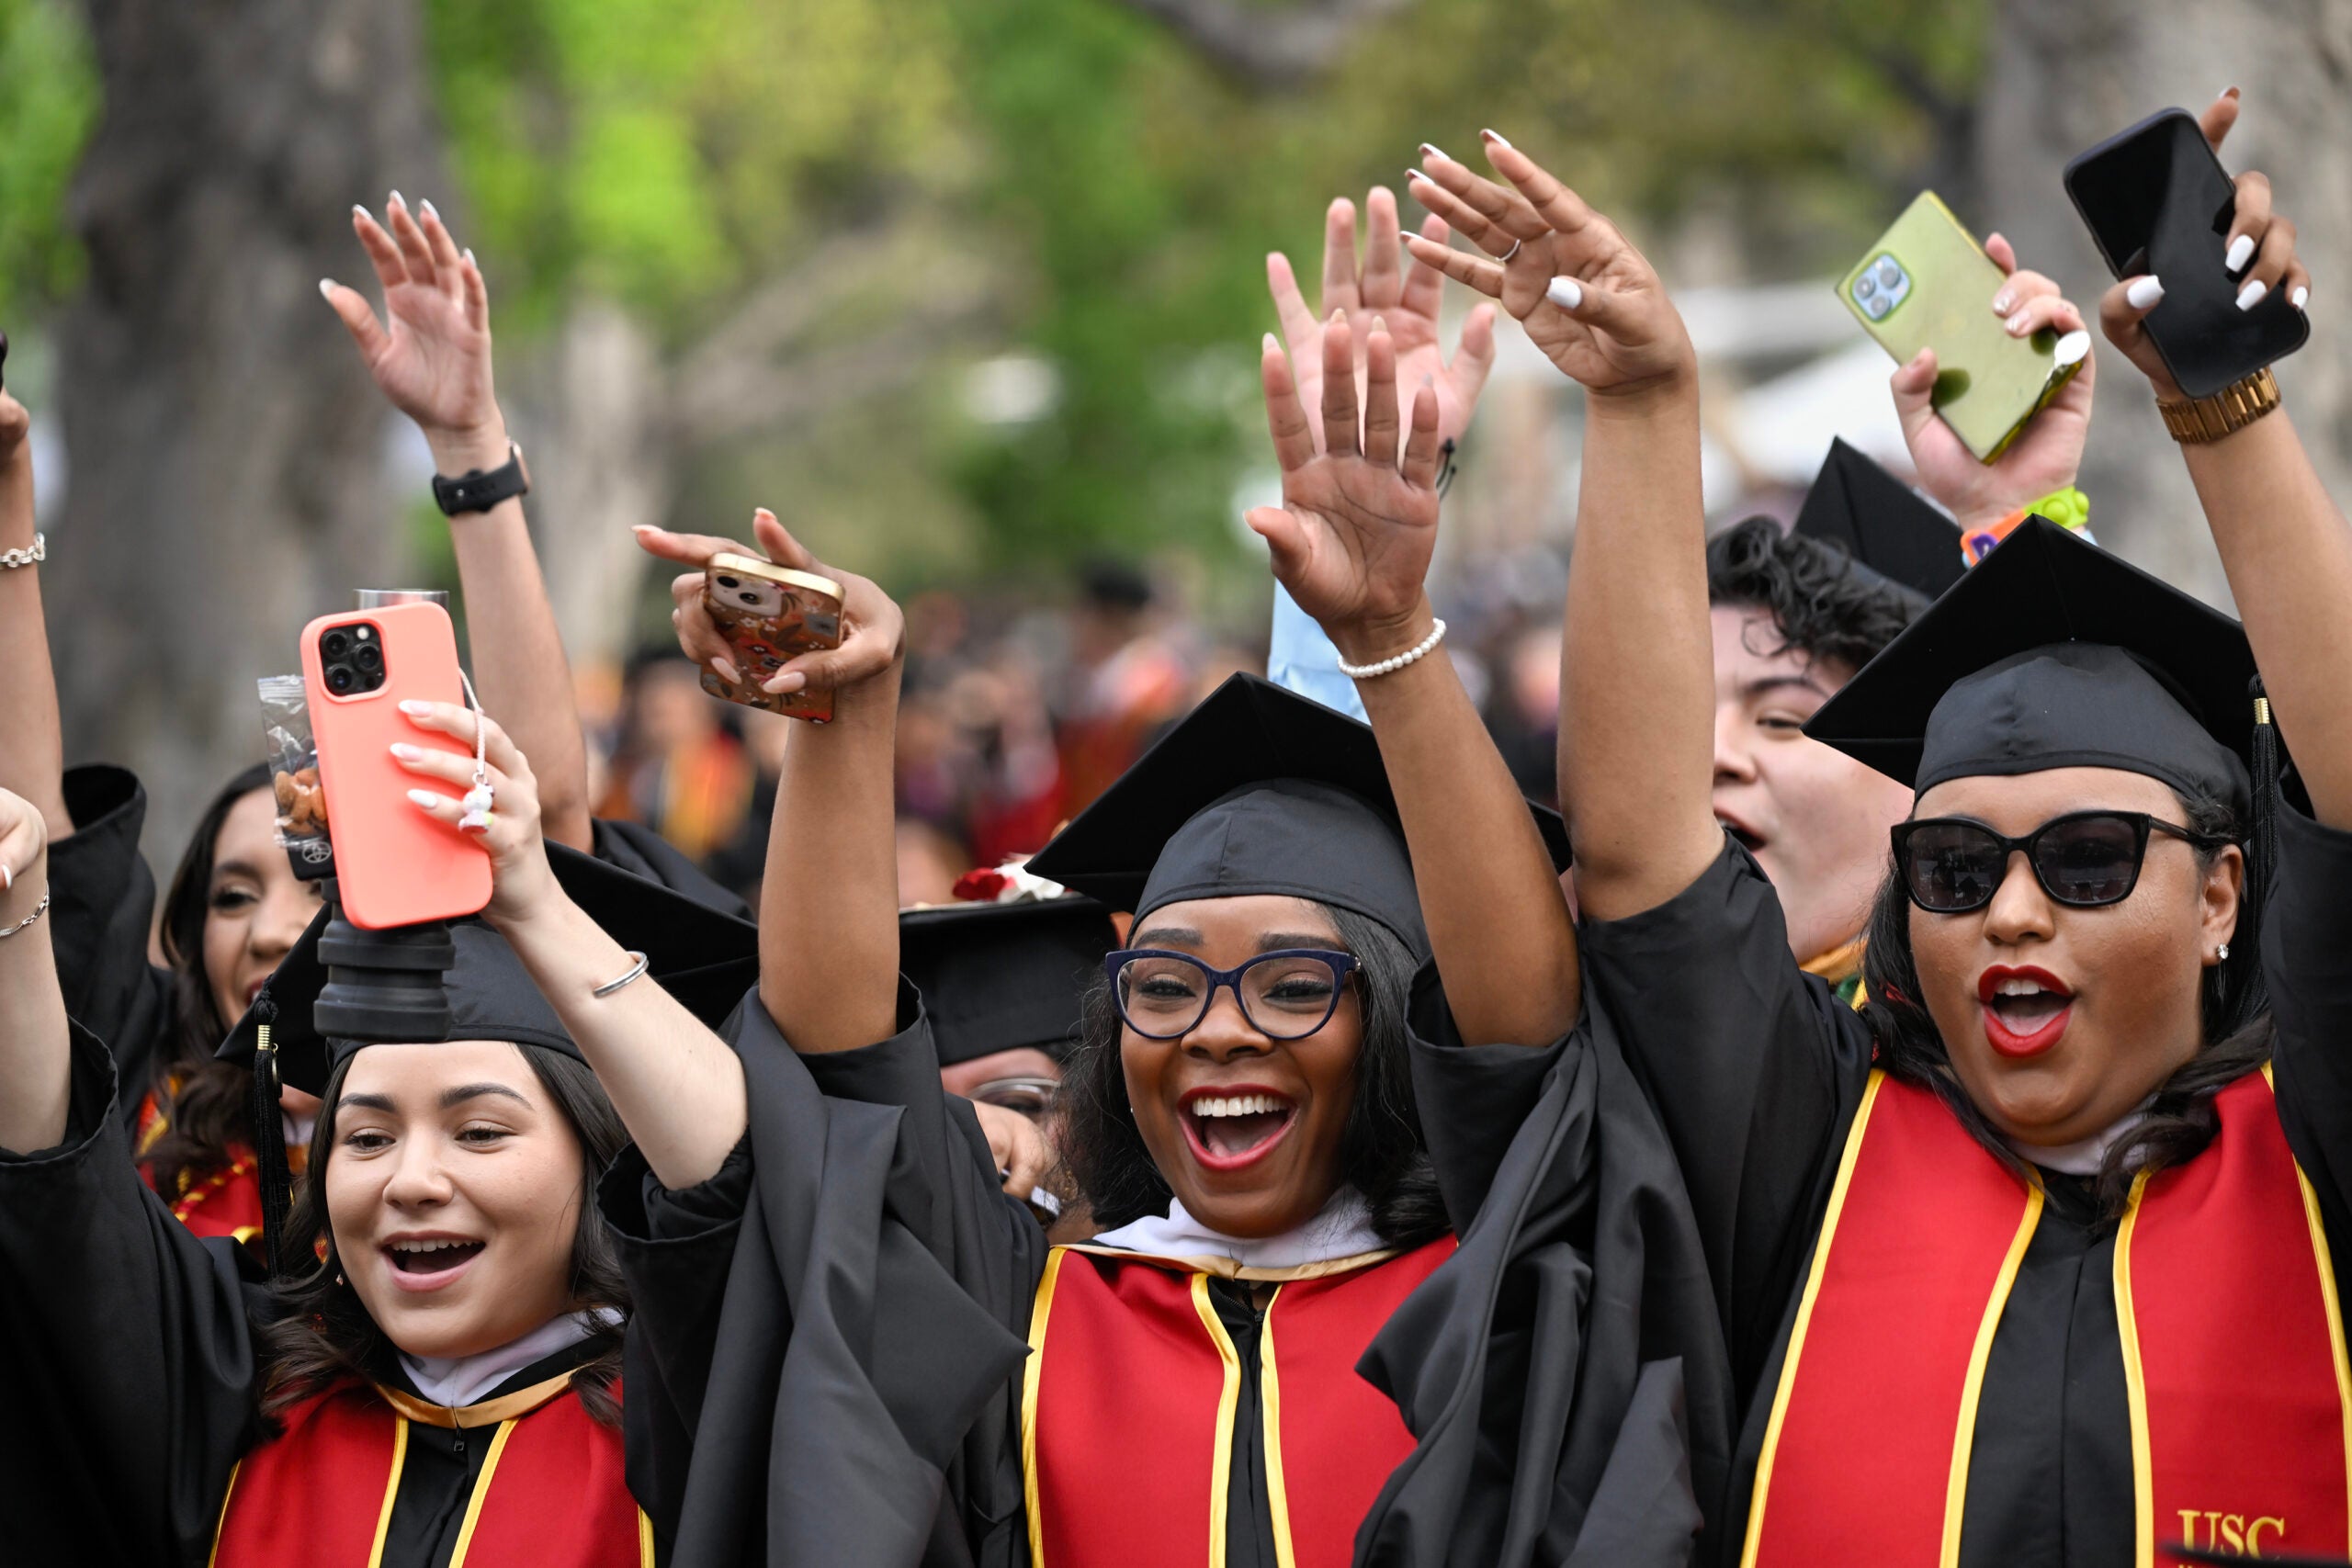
[1882,523]
[1001,976]
[1257,790]
[2052,653]
[705,958]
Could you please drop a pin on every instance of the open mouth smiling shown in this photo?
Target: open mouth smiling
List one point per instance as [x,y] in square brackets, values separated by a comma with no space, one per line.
[428,1262]
[2026,1010]
[1229,1128]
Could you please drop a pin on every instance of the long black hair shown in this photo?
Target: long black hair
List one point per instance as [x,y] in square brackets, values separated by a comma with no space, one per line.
[202,1100]
[2234,1022]
[1381,1151]
[324,1334]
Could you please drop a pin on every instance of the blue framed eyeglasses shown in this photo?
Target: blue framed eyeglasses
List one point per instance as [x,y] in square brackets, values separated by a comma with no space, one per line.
[1285,995]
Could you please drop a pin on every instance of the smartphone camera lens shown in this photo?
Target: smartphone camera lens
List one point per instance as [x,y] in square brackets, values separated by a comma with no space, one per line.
[340,680]
[369,657]
[730,581]
[335,644]
[748,597]
[1865,286]
[1889,272]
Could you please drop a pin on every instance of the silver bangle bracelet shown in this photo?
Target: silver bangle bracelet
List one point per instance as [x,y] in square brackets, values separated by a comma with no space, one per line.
[635,969]
[38,910]
[1390,666]
[11,559]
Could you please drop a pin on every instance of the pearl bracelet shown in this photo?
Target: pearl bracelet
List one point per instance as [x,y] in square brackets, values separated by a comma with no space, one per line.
[12,559]
[1390,666]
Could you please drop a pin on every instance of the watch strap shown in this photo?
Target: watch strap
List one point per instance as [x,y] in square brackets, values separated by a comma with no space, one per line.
[478,489]
[2196,421]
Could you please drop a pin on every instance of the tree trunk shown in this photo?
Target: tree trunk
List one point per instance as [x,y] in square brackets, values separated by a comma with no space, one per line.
[226,482]
[2063,77]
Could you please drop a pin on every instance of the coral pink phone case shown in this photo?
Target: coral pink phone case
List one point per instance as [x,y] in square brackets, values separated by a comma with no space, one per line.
[394,865]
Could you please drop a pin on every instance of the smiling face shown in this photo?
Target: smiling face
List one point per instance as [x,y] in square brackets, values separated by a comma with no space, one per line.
[2061,1020]
[1245,1130]
[1814,818]
[255,909]
[454,1188]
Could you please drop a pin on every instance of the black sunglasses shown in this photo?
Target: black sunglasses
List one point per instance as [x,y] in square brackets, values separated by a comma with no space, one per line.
[2085,859]
[1285,995]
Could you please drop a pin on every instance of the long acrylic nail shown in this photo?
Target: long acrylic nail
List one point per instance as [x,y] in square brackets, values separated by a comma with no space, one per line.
[426,798]
[2073,348]
[790,681]
[8,878]
[1496,137]
[727,667]
[470,258]
[2251,294]
[2299,296]
[2144,292]
[425,207]
[415,709]
[2241,253]
[1412,174]
[359,212]
[326,289]
[396,201]
[1431,149]
[1564,292]
[406,752]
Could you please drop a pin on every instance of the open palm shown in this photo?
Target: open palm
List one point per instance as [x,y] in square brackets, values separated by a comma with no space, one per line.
[1358,524]
[431,356]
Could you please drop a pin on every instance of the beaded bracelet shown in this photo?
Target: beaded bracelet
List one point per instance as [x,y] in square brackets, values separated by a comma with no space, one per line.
[1390,666]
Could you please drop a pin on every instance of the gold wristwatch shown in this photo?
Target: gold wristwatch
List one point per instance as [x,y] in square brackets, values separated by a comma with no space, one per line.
[2236,406]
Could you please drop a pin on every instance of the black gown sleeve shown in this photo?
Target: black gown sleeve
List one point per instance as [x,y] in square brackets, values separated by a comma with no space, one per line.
[2307,959]
[834,1380]
[131,1367]
[1562,1374]
[634,847]
[102,902]
[1756,1069]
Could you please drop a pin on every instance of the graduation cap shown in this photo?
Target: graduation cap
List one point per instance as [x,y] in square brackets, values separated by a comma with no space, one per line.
[1889,532]
[1257,790]
[1002,976]
[2052,653]
[702,956]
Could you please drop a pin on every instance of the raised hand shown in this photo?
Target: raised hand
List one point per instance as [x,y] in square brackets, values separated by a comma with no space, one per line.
[2049,453]
[1406,298]
[1588,299]
[2261,244]
[873,628]
[1353,538]
[522,883]
[431,353]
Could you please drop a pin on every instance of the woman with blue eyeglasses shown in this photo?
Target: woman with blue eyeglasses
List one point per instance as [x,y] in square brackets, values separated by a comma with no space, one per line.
[1367,1292]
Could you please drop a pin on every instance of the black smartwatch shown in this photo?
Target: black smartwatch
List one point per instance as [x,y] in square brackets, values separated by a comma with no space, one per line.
[476,490]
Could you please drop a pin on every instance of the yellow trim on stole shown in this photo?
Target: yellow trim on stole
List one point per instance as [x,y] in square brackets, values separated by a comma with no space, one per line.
[2135,1386]
[391,1490]
[1039,1306]
[1228,1402]
[213,1558]
[2327,1295]
[1270,1385]
[1763,1489]
[1964,1441]
[481,1491]
[644,1540]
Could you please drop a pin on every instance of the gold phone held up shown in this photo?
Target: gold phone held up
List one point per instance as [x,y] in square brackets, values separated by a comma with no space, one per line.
[768,615]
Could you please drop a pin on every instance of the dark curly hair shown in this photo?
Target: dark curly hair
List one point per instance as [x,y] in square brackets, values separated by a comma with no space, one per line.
[1821,605]
[203,1101]
[2234,1019]
[323,1333]
[1381,1151]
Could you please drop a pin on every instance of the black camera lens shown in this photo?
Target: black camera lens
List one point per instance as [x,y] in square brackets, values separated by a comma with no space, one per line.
[339,680]
[369,657]
[335,644]
[726,582]
[748,597]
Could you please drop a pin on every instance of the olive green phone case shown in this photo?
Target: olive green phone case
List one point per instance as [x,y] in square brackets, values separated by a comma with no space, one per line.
[1927,284]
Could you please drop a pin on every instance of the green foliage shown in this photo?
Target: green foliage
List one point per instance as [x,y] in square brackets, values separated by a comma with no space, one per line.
[49,100]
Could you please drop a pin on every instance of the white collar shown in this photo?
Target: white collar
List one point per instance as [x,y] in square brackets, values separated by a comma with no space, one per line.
[2085,1155]
[1342,1228]
[457,1381]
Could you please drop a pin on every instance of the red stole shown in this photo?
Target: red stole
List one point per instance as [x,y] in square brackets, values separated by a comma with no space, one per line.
[2233,1346]
[552,1492]
[1128,1410]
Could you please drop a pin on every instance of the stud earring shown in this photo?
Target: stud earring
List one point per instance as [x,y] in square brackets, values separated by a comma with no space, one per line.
[2222,953]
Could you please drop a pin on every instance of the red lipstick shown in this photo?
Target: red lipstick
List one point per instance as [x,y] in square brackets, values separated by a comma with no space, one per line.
[2047,1012]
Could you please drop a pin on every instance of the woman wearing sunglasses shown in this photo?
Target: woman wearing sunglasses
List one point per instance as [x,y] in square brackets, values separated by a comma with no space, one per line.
[2033,1261]
[1362,1290]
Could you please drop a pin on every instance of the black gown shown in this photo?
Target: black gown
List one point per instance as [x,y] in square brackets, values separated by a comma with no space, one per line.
[132,1376]
[1758,1069]
[845,1390]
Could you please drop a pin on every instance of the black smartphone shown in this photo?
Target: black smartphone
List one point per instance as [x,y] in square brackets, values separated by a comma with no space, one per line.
[2157,200]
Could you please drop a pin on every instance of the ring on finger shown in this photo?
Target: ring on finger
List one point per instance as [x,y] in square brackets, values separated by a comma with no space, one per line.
[1512,251]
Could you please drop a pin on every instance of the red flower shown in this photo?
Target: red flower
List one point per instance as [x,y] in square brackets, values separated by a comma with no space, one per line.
[984,885]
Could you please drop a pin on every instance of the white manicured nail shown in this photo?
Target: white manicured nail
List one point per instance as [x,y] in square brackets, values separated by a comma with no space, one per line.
[425,207]
[2003,302]
[2299,296]
[2073,348]
[2016,324]
[1564,292]
[326,289]
[470,259]
[396,201]
[424,797]
[1412,174]
[2144,292]
[2251,294]
[1496,137]
[359,212]
[1431,149]
[2241,253]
